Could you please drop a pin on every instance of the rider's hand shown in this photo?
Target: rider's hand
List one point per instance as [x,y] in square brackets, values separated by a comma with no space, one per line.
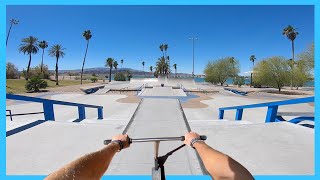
[189,136]
[124,138]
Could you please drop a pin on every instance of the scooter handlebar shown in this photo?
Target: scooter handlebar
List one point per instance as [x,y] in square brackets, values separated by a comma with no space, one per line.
[181,138]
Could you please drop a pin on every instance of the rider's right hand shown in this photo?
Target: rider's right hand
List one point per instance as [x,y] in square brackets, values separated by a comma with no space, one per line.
[189,136]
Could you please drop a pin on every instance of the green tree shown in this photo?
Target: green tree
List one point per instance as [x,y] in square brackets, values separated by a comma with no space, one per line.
[35,84]
[301,73]
[151,69]
[119,77]
[12,22]
[162,67]
[175,69]
[161,49]
[11,71]
[87,35]
[252,59]
[143,63]
[115,65]
[218,71]
[308,56]
[291,33]
[239,80]
[42,44]
[30,47]
[109,63]
[273,72]
[58,52]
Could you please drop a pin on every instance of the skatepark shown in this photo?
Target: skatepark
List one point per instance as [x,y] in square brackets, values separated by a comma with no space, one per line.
[38,146]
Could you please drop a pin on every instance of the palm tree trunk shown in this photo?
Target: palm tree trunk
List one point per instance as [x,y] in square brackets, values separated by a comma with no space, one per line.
[110,75]
[84,60]
[57,77]
[8,35]
[292,65]
[42,61]
[28,69]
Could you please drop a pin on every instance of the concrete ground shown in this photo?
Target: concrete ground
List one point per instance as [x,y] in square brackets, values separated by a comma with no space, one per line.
[265,149]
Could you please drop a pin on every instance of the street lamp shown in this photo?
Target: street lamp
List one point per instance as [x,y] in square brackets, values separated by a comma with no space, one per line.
[193,39]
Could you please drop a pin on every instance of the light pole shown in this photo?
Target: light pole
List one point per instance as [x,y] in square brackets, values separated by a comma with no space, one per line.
[12,21]
[193,39]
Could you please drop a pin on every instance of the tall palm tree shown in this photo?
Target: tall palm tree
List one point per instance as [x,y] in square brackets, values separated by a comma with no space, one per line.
[87,35]
[143,63]
[12,22]
[115,65]
[175,69]
[121,62]
[109,63]
[42,45]
[29,46]
[151,69]
[252,59]
[165,48]
[291,34]
[57,51]
[161,49]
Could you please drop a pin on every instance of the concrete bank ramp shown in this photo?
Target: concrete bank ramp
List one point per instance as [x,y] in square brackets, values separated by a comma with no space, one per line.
[156,118]
[162,91]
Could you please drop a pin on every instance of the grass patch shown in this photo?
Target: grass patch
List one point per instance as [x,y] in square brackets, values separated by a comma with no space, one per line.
[17,86]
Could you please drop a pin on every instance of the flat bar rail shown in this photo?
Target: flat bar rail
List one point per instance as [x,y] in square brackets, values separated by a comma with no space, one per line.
[272,108]
[48,106]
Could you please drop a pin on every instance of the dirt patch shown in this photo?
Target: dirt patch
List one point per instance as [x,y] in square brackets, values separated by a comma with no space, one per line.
[285,92]
[196,102]
[131,98]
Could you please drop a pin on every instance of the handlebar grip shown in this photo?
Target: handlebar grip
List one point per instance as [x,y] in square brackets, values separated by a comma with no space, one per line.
[202,137]
[108,141]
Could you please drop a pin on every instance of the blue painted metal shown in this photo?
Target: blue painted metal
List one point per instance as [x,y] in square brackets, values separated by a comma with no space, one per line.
[239,114]
[221,114]
[295,120]
[242,93]
[48,110]
[100,113]
[48,106]
[272,109]
[10,114]
[82,112]
[271,114]
[276,103]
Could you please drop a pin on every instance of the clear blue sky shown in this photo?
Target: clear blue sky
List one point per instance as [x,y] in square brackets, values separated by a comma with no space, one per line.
[134,33]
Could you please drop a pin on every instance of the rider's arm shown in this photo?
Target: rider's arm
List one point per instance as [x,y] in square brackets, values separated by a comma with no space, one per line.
[91,166]
[219,165]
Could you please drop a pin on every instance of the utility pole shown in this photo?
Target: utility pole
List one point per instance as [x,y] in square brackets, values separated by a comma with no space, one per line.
[193,39]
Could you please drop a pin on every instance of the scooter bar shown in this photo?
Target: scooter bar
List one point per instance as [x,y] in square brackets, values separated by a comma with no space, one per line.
[181,138]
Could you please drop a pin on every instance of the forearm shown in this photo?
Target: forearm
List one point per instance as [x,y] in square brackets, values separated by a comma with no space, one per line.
[91,166]
[221,166]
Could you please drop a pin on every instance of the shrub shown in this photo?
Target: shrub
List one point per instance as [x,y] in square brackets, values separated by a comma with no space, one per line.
[119,77]
[11,71]
[239,80]
[94,79]
[36,72]
[35,84]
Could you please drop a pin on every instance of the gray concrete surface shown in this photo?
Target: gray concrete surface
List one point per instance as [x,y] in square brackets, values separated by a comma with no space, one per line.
[162,91]
[156,118]
[264,149]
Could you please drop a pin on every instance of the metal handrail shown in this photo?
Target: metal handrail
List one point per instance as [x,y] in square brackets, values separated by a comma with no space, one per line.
[48,106]
[272,108]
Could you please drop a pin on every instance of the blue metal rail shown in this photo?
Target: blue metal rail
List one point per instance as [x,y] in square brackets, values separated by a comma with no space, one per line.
[48,106]
[272,109]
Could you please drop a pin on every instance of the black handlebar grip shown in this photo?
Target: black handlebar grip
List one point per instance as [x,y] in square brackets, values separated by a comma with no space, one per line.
[108,141]
[202,137]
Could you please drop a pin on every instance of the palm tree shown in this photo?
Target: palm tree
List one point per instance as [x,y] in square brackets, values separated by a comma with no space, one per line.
[109,63]
[12,22]
[121,62]
[175,69]
[87,35]
[291,34]
[143,63]
[165,48]
[252,58]
[151,69]
[57,51]
[42,45]
[161,49]
[115,65]
[30,47]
